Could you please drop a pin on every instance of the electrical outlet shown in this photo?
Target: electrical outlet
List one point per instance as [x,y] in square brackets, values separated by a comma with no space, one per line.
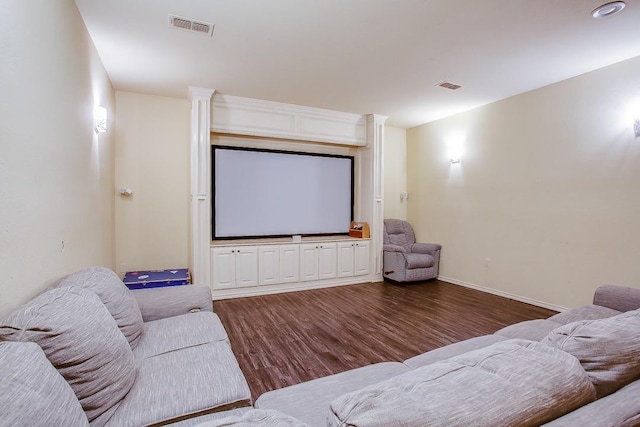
[487,261]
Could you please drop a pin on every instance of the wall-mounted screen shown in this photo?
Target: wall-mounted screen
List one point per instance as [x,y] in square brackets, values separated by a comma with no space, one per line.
[269,193]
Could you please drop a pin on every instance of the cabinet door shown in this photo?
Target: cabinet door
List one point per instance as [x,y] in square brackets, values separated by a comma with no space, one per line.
[246,266]
[361,258]
[327,261]
[345,259]
[308,262]
[268,265]
[289,263]
[223,268]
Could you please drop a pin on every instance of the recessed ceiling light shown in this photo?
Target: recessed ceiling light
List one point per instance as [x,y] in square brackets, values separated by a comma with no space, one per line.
[608,9]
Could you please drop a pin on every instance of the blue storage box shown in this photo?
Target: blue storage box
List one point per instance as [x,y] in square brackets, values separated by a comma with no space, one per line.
[156,278]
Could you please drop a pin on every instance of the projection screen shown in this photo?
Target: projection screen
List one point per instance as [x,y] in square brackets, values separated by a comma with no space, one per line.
[267,193]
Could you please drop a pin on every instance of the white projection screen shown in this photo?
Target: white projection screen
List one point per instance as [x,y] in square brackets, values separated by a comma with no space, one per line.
[266,193]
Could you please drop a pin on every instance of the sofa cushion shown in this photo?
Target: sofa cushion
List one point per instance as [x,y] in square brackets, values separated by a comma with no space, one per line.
[586,312]
[32,392]
[309,401]
[194,421]
[452,350]
[256,418]
[608,349]
[174,333]
[514,382]
[533,330]
[621,409]
[81,339]
[189,382]
[114,295]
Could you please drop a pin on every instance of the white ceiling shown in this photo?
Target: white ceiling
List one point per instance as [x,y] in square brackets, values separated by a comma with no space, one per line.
[360,56]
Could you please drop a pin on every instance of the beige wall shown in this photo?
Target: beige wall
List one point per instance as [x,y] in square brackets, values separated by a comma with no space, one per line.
[56,174]
[395,172]
[548,189]
[152,158]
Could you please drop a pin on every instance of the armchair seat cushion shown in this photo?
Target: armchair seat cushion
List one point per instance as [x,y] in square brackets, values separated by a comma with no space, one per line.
[419,261]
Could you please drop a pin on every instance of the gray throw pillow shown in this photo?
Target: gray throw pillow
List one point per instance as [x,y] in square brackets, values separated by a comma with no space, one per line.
[114,295]
[82,341]
[608,349]
[32,392]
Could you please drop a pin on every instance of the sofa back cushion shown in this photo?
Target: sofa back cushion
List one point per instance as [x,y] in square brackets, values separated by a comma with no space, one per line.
[82,341]
[114,295]
[608,349]
[32,392]
[510,383]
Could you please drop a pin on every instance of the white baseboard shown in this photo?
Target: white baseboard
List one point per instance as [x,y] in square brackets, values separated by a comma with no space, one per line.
[219,294]
[503,294]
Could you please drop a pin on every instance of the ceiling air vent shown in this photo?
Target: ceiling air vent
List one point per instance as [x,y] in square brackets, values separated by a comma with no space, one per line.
[192,25]
[449,85]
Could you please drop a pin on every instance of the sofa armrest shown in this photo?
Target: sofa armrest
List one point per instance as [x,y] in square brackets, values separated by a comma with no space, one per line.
[425,248]
[158,303]
[393,248]
[617,297]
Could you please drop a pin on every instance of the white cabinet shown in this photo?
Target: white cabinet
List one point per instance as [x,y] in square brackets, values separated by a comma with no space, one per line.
[289,263]
[353,258]
[318,261]
[345,259]
[268,265]
[327,260]
[308,262]
[361,258]
[233,267]
[255,269]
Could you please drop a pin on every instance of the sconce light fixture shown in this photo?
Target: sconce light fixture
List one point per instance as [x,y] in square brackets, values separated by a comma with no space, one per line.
[455,143]
[636,125]
[100,119]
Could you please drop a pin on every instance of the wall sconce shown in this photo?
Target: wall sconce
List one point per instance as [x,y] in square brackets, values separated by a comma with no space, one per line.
[636,126]
[455,143]
[100,119]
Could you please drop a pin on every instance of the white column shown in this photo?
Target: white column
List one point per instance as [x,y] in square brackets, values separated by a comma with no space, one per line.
[200,184]
[375,143]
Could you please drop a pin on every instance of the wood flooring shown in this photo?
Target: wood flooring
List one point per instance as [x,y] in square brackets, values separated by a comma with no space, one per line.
[288,338]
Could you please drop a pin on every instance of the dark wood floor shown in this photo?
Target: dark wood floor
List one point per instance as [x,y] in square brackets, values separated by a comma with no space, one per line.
[285,339]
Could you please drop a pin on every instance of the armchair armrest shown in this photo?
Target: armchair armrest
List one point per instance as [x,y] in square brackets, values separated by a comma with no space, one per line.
[425,248]
[159,303]
[393,248]
[617,297]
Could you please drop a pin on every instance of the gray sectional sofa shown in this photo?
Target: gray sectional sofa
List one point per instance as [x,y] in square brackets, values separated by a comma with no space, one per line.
[579,367]
[88,351]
